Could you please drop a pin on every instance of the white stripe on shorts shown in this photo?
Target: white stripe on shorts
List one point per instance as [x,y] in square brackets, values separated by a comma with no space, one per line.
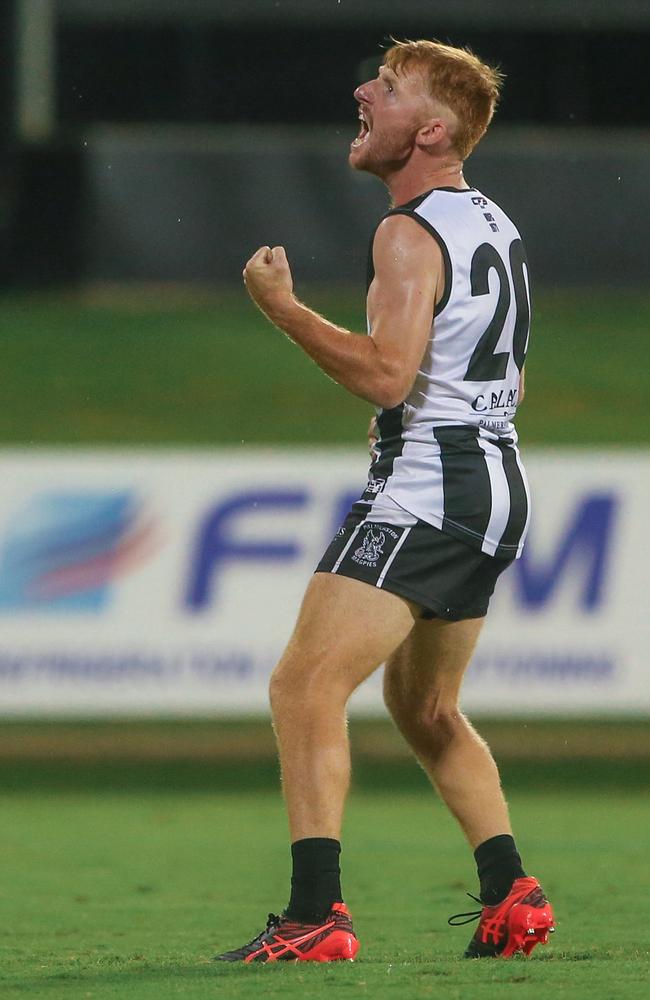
[382,575]
[350,540]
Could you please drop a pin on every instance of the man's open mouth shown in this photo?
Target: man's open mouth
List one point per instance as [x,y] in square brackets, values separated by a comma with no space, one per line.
[364,129]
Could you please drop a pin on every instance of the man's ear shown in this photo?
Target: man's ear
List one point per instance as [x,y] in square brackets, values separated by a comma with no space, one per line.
[432,133]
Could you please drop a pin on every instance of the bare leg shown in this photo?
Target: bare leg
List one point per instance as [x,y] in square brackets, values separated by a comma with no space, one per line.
[345,630]
[421,688]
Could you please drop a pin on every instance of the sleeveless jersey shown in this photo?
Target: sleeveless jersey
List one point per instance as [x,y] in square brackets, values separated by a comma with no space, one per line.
[448,454]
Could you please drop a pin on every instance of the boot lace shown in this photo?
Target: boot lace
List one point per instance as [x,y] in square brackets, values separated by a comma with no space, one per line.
[457,919]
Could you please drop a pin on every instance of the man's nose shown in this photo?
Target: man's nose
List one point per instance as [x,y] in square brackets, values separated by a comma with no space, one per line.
[362,93]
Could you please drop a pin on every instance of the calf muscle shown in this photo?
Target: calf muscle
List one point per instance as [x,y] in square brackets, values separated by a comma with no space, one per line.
[421,688]
[345,630]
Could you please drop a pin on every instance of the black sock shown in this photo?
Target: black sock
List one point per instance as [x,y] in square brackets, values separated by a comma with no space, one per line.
[316,878]
[498,864]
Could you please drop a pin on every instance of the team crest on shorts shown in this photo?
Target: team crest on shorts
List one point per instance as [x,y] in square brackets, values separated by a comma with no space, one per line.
[372,547]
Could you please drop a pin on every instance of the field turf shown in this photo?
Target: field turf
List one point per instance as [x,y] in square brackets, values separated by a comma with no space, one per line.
[182,366]
[122,881]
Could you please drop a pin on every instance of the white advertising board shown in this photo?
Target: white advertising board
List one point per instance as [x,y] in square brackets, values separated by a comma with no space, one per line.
[167,582]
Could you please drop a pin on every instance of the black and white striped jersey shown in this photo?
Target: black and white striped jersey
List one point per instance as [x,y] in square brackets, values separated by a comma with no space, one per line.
[448,454]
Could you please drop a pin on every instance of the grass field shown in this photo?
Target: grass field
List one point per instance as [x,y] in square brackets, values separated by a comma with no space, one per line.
[132,851]
[128,893]
[172,366]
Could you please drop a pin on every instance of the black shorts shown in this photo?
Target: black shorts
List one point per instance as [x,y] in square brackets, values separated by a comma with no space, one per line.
[447,578]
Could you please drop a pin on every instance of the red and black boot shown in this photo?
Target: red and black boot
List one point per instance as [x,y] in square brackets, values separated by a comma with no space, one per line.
[285,940]
[515,925]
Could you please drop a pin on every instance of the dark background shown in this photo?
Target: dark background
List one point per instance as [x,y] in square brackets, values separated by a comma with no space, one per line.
[576,79]
[284,74]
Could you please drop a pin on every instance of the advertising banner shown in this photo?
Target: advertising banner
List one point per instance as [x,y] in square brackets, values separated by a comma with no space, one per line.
[167,582]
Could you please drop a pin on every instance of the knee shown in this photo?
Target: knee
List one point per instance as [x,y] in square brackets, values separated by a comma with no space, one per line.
[427,719]
[412,707]
[284,688]
[445,723]
[297,687]
[438,727]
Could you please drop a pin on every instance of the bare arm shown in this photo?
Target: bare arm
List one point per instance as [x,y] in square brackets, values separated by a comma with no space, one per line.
[522,385]
[409,278]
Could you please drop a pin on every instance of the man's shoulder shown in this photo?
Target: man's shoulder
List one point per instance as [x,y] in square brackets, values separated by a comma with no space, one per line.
[451,210]
[404,239]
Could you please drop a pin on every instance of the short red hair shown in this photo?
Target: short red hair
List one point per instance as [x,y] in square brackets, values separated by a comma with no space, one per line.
[457,78]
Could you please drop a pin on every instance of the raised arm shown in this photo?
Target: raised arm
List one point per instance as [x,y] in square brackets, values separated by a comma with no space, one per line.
[409,279]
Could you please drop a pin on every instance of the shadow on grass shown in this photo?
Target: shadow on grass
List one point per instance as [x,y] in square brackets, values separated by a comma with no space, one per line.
[370,775]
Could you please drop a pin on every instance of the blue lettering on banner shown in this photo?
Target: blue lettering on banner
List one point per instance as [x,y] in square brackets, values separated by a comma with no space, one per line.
[544,667]
[586,542]
[73,666]
[210,666]
[581,553]
[213,666]
[216,547]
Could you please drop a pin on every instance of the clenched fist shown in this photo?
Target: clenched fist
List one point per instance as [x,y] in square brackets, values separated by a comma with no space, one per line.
[267,277]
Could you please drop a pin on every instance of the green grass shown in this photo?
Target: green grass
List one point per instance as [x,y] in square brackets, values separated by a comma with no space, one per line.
[128,893]
[159,368]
